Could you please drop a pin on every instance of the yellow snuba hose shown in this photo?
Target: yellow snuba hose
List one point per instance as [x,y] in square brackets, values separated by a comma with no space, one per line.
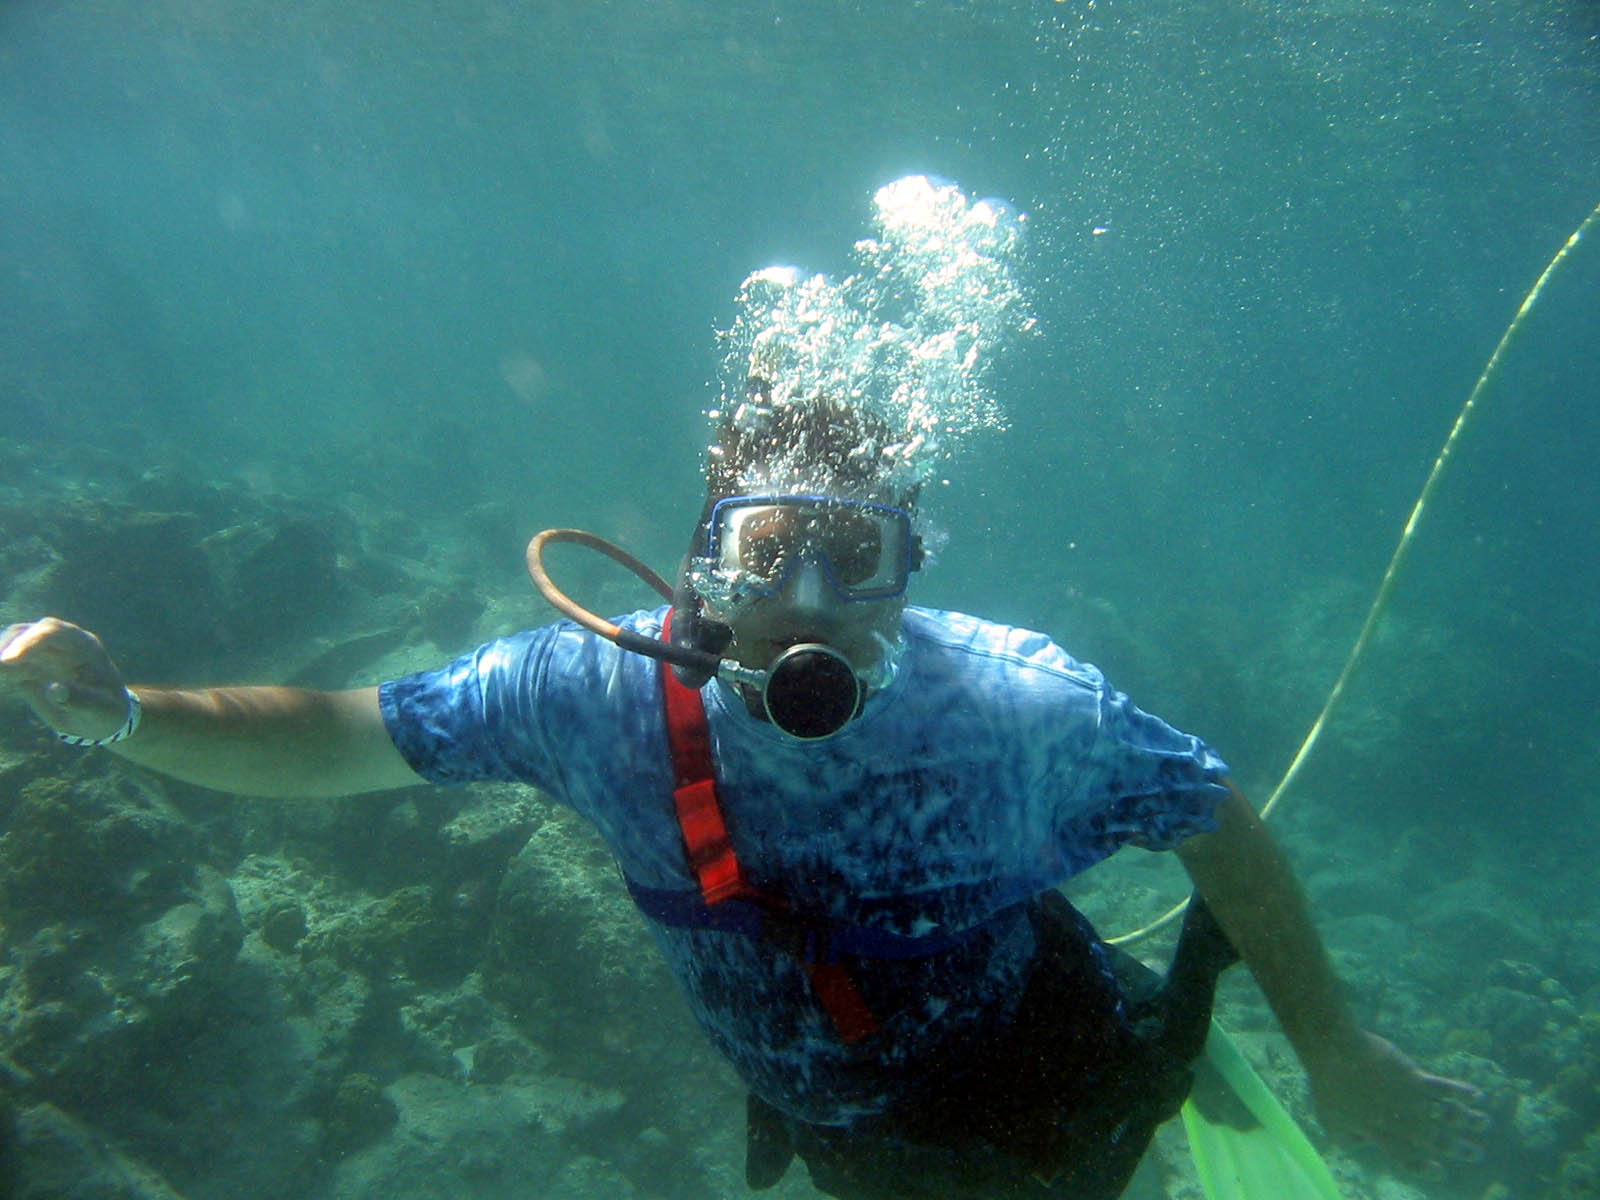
[1274,1159]
[1391,573]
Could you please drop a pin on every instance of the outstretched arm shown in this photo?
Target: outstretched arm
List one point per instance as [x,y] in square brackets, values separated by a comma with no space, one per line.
[262,741]
[1364,1087]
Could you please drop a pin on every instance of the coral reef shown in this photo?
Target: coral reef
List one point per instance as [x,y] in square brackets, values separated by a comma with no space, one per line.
[435,991]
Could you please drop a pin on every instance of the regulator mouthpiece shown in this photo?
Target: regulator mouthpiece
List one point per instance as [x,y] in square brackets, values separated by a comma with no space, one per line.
[811,691]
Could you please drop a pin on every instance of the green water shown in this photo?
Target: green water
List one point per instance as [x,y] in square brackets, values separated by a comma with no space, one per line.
[438,260]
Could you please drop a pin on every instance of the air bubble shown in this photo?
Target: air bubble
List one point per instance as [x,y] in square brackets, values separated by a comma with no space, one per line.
[911,333]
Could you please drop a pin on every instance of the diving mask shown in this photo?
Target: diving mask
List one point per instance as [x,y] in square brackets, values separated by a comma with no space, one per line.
[755,544]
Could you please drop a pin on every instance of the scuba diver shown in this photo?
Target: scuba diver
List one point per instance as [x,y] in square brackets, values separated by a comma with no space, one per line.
[846,818]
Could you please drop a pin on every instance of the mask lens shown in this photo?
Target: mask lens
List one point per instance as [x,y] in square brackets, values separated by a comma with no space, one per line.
[853,543]
[863,546]
[764,539]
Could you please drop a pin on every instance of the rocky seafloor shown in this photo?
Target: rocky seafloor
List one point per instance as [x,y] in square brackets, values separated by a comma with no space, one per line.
[446,991]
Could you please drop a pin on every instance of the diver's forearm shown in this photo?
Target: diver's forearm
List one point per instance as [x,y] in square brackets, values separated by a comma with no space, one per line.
[1249,886]
[267,741]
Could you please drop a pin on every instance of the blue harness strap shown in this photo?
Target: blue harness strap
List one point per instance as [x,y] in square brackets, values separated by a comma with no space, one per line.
[816,939]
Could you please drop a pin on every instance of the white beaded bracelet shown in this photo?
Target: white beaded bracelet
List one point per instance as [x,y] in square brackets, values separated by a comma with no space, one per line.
[135,711]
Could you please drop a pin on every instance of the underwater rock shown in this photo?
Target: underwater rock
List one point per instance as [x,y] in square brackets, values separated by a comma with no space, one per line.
[48,1154]
[565,934]
[358,1114]
[491,826]
[498,1059]
[279,576]
[183,578]
[585,1177]
[94,841]
[380,934]
[1516,1018]
[283,925]
[86,1002]
[1579,1175]
[1541,1121]
[1539,1072]
[25,556]
[332,663]
[141,580]
[176,962]
[410,929]
[1469,922]
[481,1140]
[446,616]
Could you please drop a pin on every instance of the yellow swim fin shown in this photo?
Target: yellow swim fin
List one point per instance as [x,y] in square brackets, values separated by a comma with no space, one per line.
[1271,1160]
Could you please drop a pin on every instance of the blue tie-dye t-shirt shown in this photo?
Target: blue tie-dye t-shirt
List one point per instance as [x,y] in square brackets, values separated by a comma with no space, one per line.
[994,766]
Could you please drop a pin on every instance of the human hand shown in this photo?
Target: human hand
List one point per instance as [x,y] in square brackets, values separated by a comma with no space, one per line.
[1368,1090]
[65,674]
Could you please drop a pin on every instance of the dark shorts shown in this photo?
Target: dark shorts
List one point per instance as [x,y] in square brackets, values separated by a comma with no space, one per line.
[1063,1104]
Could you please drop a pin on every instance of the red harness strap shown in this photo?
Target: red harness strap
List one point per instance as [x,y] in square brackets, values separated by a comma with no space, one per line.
[716,866]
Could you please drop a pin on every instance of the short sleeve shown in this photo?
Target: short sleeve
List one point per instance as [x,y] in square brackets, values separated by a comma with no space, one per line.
[1140,783]
[450,724]
[1162,786]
